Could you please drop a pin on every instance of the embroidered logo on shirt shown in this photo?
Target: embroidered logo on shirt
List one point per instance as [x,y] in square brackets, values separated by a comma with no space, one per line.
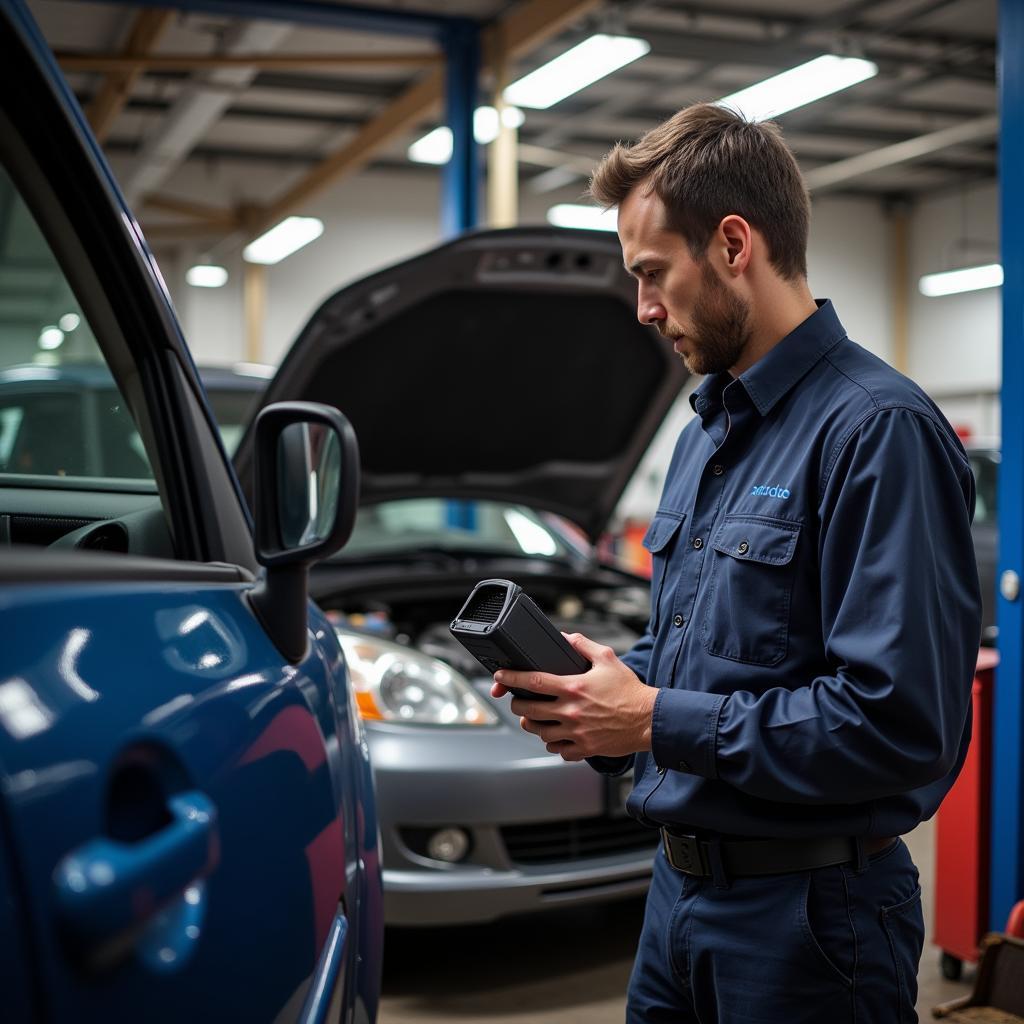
[764,491]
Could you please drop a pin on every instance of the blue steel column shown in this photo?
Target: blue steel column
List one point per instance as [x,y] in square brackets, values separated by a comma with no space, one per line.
[462,173]
[1007,880]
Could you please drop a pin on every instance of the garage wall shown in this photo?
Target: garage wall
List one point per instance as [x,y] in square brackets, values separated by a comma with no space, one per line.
[372,221]
[376,219]
[956,341]
[848,262]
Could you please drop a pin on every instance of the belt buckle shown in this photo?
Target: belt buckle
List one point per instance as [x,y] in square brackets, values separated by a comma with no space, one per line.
[684,854]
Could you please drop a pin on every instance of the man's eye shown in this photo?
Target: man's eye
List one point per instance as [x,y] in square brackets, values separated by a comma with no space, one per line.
[652,275]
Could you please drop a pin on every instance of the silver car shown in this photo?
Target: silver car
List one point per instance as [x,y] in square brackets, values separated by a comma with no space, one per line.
[503,393]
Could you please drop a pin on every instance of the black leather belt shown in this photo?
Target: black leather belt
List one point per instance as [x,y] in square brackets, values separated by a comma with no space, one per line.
[695,856]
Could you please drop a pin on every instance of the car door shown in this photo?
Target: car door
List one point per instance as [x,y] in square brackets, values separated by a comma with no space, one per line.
[185,824]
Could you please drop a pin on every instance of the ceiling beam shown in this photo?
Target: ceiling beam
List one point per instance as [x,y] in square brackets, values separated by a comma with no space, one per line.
[323,13]
[215,216]
[820,178]
[399,116]
[850,23]
[288,62]
[963,61]
[197,108]
[146,32]
[522,30]
[290,115]
[279,157]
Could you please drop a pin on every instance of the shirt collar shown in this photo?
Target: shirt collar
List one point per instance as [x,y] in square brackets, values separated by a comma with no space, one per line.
[776,372]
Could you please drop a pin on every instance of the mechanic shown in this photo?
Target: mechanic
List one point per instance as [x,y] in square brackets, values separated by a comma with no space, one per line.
[801,697]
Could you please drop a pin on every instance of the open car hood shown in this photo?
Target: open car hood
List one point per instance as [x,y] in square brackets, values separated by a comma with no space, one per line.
[507,364]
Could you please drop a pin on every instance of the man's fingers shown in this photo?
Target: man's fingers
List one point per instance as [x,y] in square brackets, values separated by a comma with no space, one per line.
[549,731]
[539,710]
[593,652]
[536,682]
[497,690]
[562,747]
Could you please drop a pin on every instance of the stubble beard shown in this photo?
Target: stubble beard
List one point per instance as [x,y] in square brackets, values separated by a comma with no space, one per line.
[721,327]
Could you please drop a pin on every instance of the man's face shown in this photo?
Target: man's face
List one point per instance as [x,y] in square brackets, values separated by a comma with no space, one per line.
[708,324]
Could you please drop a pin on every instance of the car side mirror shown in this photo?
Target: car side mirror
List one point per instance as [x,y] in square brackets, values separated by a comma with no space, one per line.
[305,495]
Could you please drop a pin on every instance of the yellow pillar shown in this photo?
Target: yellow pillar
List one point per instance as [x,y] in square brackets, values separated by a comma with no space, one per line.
[899,256]
[254,291]
[502,157]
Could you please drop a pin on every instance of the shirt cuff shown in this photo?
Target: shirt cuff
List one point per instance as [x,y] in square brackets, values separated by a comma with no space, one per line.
[611,765]
[684,731]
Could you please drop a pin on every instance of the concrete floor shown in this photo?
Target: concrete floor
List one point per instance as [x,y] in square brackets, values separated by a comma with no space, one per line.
[562,967]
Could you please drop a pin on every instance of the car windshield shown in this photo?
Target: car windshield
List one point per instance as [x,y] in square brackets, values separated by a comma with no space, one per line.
[461,527]
[232,408]
[986,471]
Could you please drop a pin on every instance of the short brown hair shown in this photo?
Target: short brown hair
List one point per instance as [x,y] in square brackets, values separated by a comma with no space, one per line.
[707,162]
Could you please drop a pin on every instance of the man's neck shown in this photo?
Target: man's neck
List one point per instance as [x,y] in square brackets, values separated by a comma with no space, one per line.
[777,315]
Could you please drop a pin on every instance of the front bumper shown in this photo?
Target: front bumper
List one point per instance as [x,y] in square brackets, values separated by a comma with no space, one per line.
[543,832]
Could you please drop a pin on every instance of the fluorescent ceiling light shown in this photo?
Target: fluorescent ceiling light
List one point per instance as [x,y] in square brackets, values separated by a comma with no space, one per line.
[69,322]
[283,239]
[575,69]
[799,86]
[969,279]
[436,147]
[485,122]
[206,275]
[574,215]
[51,338]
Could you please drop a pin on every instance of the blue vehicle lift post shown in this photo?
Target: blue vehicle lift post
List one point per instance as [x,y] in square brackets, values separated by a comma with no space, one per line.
[1007,859]
[462,172]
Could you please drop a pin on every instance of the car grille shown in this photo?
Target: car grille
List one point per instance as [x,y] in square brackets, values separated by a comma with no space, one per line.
[553,841]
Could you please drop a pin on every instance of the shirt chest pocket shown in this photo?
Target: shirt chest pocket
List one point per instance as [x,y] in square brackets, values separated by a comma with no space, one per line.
[751,583]
[658,540]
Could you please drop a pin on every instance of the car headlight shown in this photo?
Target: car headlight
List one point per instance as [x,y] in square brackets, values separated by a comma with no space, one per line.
[393,683]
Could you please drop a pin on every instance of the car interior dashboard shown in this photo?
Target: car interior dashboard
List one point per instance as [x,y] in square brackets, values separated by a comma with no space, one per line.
[93,514]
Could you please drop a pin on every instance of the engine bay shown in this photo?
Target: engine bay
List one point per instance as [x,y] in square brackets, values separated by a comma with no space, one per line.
[611,615]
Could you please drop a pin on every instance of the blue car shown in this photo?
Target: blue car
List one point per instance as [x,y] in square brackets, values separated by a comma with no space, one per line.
[187,819]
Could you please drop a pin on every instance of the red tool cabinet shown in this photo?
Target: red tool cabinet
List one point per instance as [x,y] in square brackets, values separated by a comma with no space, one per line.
[962,838]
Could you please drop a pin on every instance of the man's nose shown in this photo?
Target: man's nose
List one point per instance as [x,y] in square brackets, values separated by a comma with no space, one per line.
[648,309]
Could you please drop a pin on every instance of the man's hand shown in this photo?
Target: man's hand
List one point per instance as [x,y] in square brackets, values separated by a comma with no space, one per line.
[605,711]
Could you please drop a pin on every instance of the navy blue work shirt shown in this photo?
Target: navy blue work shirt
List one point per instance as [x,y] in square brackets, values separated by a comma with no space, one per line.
[815,607]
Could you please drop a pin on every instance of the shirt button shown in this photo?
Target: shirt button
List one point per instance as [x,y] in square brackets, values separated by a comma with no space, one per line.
[678,620]
[743,548]
[718,469]
[698,543]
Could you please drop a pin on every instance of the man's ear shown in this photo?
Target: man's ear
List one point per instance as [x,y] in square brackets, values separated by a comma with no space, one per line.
[735,238]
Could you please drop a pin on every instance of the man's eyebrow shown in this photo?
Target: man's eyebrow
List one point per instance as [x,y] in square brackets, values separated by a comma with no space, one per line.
[638,266]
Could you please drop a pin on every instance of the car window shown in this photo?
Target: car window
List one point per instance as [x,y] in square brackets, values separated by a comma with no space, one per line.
[232,409]
[61,414]
[393,527]
[986,473]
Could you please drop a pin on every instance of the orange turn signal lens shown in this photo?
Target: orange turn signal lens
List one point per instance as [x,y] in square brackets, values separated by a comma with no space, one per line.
[367,706]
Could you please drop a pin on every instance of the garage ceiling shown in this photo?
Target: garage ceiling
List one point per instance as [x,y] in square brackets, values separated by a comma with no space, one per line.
[197,147]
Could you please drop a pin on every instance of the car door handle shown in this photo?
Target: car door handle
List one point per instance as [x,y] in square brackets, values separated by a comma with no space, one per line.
[107,890]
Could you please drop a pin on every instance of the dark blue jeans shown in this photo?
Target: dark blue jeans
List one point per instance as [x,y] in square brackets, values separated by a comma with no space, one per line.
[828,946]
